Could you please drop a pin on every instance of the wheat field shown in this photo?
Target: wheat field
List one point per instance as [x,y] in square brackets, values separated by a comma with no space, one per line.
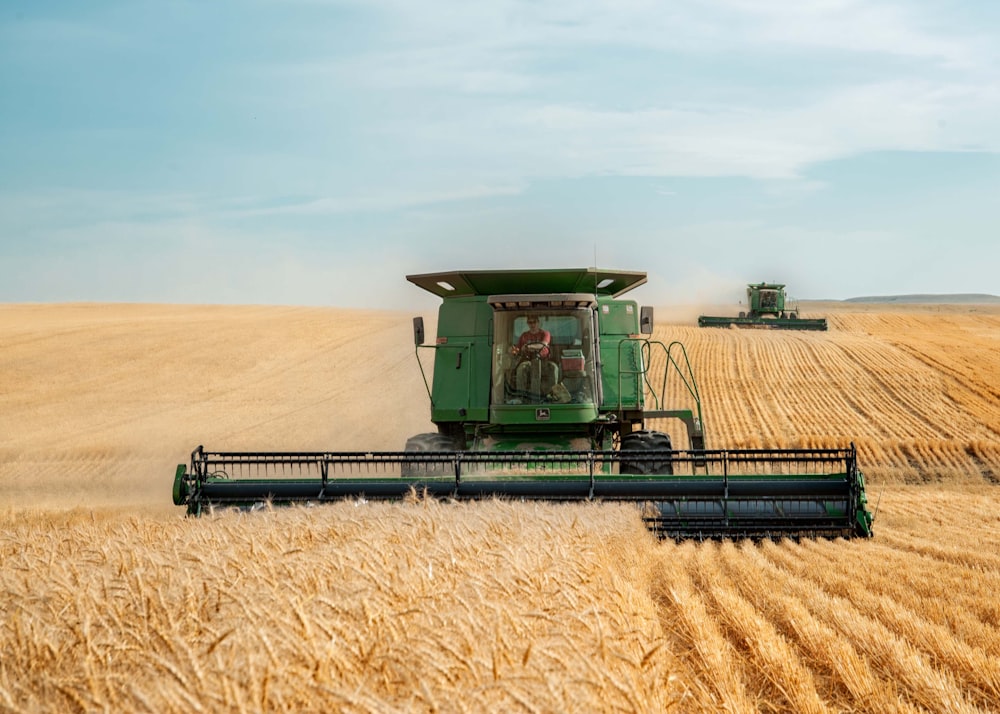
[114,601]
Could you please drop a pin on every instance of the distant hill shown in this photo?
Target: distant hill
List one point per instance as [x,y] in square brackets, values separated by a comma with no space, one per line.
[956,299]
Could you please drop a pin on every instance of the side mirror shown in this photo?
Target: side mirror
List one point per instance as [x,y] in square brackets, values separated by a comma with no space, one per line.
[646,320]
[418,331]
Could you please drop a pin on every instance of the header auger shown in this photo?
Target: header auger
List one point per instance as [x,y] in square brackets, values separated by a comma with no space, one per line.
[768,310]
[543,388]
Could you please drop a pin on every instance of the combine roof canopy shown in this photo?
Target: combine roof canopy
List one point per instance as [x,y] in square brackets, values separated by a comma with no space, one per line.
[462,283]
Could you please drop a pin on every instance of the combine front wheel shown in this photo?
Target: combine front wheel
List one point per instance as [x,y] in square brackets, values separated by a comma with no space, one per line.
[646,440]
[425,443]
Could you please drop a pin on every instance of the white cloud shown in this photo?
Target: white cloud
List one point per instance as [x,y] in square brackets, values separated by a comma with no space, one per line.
[765,142]
[384,199]
[935,90]
[468,96]
[878,28]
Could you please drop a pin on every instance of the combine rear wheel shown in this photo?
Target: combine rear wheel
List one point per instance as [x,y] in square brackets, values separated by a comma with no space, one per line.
[646,441]
[424,443]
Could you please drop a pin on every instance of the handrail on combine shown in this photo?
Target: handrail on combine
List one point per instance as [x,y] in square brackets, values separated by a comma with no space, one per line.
[641,374]
[645,386]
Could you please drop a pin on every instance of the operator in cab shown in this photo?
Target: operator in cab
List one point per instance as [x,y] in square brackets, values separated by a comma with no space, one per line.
[534,336]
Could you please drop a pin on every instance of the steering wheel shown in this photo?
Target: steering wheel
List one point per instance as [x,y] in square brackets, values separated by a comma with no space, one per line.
[533,350]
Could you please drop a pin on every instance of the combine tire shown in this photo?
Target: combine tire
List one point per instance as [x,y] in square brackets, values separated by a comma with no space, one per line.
[646,440]
[423,443]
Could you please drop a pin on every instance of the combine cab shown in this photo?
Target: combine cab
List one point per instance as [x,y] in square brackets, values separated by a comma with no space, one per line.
[543,388]
[767,311]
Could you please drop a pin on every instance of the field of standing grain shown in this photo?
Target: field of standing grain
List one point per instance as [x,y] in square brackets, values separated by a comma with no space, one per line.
[112,600]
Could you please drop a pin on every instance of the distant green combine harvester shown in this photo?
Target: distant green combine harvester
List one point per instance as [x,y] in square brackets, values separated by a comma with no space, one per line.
[767,311]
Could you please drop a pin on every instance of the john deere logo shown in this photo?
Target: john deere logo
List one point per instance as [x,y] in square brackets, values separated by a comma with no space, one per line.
[542,414]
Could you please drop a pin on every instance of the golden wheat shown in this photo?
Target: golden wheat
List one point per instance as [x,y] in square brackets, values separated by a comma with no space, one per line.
[112,600]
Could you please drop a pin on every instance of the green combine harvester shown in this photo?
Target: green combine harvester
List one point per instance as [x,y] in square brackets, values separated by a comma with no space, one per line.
[542,388]
[767,311]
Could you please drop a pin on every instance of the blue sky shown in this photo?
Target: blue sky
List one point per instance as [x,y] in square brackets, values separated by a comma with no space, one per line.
[313,152]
